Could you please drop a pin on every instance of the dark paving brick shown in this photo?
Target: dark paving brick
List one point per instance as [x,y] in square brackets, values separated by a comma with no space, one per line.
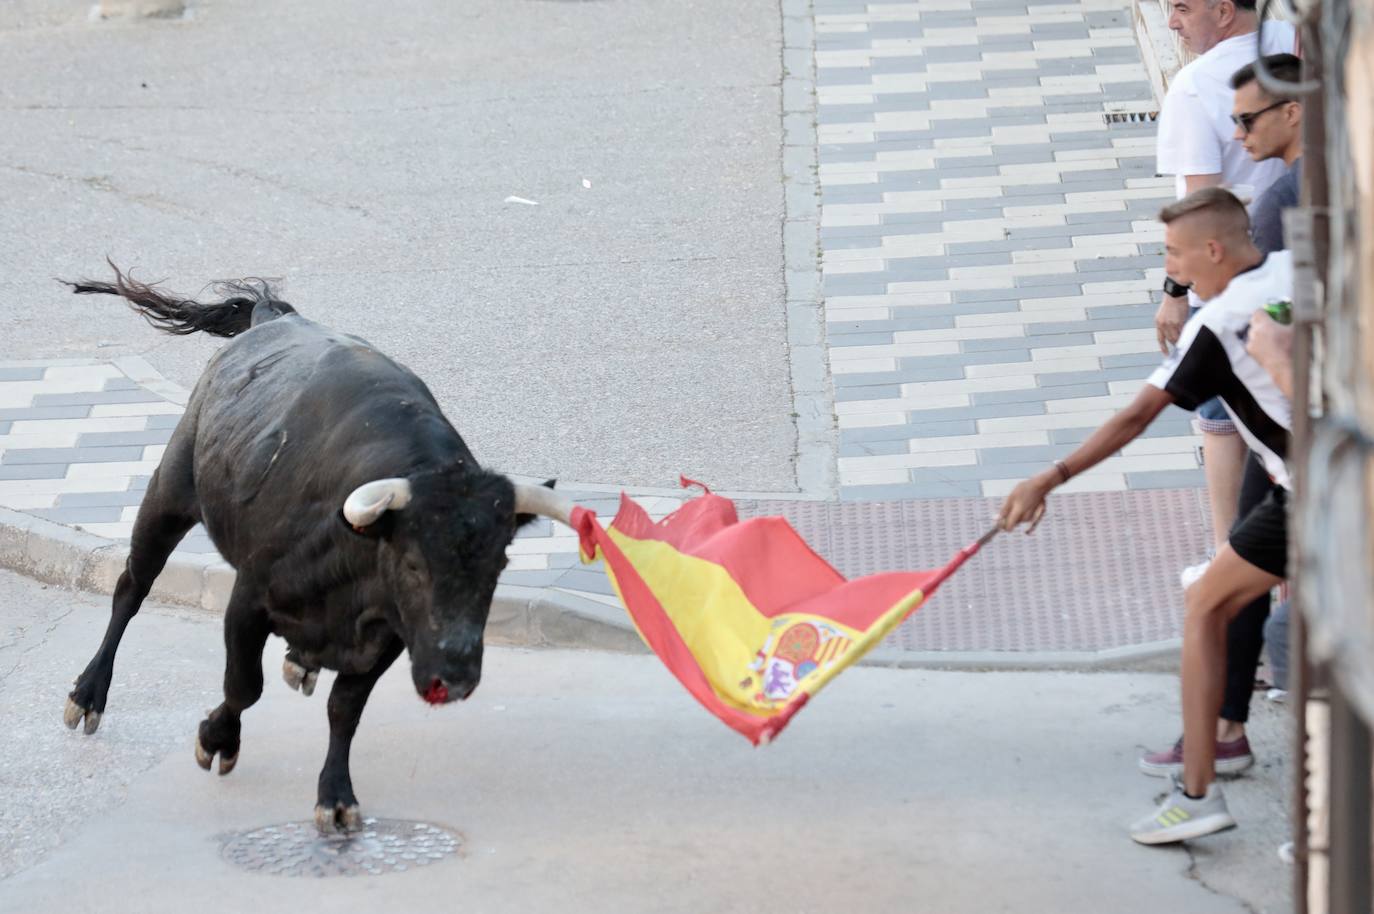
[903,433]
[1027,342]
[1132,360]
[898,29]
[21,413]
[85,515]
[94,397]
[901,376]
[1005,399]
[968,296]
[71,455]
[872,392]
[21,374]
[973,413]
[843,76]
[33,470]
[118,439]
[872,448]
[99,499]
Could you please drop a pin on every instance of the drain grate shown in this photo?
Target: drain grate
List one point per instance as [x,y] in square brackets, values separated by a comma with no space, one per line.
[1130,117]
[383,846]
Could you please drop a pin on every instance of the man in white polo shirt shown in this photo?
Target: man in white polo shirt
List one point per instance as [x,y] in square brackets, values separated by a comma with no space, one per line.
[1208,245]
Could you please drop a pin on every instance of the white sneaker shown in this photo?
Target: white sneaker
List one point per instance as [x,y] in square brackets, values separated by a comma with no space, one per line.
[1189,576]
[1278,696]
[1180,818]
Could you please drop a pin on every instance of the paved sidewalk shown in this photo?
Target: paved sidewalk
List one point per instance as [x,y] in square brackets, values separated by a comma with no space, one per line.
[990,249]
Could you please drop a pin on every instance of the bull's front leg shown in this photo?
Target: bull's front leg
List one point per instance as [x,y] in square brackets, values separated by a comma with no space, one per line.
[246,627]
[336,807]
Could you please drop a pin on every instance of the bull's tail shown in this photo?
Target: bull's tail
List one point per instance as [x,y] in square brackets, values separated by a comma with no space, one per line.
[247,302]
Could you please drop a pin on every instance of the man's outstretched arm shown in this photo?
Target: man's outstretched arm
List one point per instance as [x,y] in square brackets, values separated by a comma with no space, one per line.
[1026,503]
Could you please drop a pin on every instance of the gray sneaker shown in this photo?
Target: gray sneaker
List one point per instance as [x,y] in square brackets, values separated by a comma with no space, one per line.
[1180,818]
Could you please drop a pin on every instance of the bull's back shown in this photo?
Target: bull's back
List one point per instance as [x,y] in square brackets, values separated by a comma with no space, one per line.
[289,417]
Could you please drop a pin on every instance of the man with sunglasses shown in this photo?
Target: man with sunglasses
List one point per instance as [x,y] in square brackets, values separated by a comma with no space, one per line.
[1270,128]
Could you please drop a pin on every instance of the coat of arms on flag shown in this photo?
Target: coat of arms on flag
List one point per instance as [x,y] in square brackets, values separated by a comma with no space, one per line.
[745,614]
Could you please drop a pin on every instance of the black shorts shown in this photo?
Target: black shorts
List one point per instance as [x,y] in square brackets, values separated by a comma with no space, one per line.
[1261,537]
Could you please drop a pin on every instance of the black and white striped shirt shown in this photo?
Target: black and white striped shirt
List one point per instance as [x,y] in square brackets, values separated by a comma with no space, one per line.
[1211,361]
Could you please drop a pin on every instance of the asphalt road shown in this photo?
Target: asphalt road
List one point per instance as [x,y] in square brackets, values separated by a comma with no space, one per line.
[590,782]
[627,329]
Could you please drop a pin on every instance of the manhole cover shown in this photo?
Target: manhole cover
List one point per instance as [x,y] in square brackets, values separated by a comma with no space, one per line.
[383,846]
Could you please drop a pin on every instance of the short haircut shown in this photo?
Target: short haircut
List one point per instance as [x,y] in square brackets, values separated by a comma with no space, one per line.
[1225,213]
[1284,67]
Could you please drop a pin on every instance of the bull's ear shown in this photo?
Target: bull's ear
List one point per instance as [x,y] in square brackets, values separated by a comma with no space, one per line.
[523,519]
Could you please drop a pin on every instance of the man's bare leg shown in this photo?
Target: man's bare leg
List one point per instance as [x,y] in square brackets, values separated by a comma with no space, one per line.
[1228,585]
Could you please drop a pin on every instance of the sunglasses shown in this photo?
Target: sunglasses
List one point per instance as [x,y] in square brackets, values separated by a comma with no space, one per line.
[1246,122]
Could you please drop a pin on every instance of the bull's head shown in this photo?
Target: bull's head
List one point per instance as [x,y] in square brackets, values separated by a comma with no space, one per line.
[441,541]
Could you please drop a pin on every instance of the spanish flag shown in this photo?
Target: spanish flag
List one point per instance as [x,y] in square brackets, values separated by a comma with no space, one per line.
[746,615]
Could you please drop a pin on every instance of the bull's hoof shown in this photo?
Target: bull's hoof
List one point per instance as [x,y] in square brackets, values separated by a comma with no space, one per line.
[73,714]
[338,819]
[298,677]
[204,758]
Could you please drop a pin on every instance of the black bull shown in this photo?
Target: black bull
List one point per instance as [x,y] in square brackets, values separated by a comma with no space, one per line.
[358,522]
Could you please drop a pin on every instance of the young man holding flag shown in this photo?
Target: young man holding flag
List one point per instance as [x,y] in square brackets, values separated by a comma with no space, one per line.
[1207,246]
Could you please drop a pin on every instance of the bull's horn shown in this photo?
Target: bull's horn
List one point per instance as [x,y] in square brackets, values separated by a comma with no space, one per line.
[371,500]
[542,501]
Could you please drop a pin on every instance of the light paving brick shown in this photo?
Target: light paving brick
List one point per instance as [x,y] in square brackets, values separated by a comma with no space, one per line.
[117,470]
[855,366]
[870,420]
[113,410]
[1099,350]
[946,457]
[1090,404]
[1092,481]
[850,355]
[76,426]
[48,439]
[1045,422]
[1041,366]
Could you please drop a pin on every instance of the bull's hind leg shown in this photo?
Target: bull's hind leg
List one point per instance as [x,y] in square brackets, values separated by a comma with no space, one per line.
[336,808]
[246,627]
[168,511]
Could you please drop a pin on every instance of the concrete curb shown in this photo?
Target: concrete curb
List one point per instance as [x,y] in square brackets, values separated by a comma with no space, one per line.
[520,616]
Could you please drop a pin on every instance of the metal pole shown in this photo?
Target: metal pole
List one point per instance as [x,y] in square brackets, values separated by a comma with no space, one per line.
[1350,806]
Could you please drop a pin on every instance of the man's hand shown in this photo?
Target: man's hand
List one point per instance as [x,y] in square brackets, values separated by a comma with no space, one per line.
[1026,503]
[1271,344]
[1169,321]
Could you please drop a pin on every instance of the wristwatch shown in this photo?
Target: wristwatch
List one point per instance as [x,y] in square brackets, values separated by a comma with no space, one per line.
[1176,289]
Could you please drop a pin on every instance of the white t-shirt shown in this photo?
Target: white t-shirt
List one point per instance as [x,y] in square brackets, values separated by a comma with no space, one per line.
[1194,127]
[1211,361]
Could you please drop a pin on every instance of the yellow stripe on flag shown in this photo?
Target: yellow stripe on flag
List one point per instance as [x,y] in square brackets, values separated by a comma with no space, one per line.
[726,633]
